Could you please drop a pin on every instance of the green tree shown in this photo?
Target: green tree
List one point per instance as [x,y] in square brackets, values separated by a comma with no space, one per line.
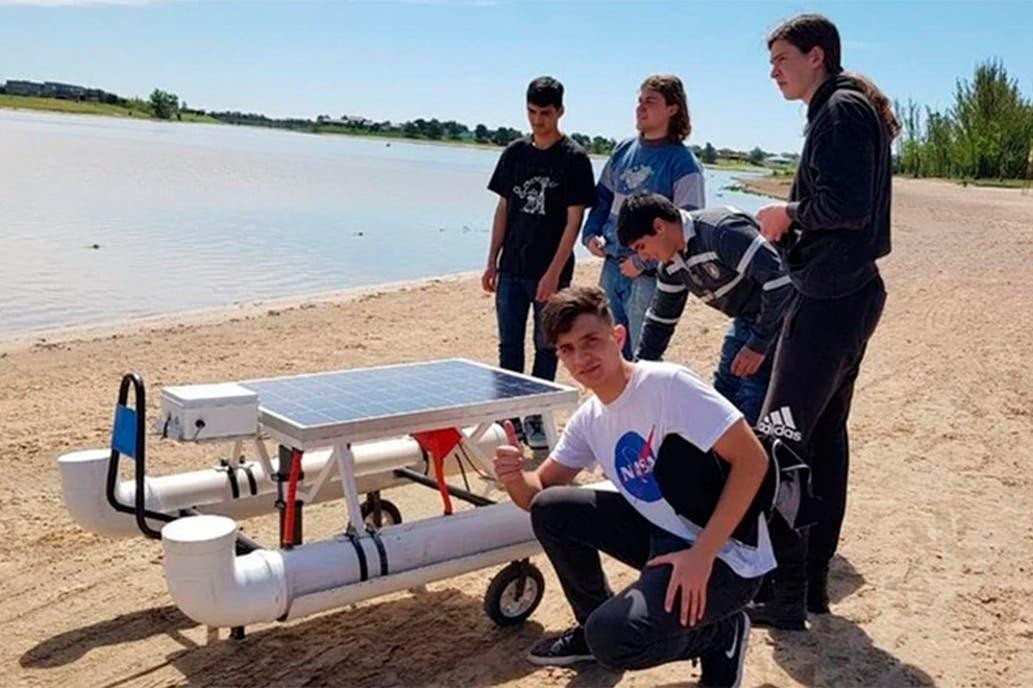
[453,129]
[910,146]
[504,135]
[164,105]
[481,134]
[757,156]
[995,123]
[602,145]
[583,140]
[709,154]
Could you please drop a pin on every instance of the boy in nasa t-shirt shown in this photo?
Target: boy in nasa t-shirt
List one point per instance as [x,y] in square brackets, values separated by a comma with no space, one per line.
[645,425]
[624,438]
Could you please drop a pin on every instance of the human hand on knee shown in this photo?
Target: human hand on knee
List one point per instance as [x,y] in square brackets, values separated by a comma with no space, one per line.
[690,572]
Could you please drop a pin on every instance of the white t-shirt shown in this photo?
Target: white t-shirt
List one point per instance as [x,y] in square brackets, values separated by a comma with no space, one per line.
[624,435]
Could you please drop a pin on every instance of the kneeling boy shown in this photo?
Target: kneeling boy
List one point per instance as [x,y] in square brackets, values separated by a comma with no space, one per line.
[695,577]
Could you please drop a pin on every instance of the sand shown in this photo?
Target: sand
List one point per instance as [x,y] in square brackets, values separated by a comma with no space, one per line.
[933,584]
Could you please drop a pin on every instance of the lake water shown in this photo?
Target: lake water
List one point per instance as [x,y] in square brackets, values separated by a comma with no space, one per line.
[199,216]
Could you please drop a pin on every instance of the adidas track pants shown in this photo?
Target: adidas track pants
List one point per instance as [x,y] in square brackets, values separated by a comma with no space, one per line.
[816,362]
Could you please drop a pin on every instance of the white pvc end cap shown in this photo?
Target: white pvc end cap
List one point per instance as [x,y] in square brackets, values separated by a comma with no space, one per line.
[198,529]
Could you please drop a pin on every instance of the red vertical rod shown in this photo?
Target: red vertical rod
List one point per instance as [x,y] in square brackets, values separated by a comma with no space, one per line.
[292,498]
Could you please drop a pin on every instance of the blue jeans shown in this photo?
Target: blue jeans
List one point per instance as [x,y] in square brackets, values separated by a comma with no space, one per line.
[629,299]
[747,393]
[514,296]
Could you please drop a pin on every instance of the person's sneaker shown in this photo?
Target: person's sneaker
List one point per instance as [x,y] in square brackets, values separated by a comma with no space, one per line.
[534,433]
[563,650]
[723,667]
[770,615]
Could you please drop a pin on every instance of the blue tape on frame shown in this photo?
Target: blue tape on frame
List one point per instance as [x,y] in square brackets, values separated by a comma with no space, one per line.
[123,435]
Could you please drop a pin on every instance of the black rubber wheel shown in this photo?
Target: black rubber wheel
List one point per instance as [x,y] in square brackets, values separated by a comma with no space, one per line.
[390,515]
[503,604]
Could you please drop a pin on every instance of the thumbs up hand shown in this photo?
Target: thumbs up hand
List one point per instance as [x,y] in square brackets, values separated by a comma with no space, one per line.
[509,459]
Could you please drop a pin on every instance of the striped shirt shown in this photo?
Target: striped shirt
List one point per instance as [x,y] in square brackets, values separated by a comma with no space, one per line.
[731,267]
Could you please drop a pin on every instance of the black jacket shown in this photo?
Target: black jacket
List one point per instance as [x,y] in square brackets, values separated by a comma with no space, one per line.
[840,199]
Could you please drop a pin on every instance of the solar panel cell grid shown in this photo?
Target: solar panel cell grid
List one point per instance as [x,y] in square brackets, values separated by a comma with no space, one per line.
[352,395]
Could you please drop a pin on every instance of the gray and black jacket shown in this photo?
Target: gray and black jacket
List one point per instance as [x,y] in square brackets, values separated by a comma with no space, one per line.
[731,267]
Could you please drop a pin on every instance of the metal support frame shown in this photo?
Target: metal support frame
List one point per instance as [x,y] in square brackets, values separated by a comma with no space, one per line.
[342,452]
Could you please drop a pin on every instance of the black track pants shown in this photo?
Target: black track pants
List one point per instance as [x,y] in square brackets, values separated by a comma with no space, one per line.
[816,362]
[630,629]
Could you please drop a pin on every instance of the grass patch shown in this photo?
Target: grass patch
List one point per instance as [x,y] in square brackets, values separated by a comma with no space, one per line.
[137,110]
[1004,183]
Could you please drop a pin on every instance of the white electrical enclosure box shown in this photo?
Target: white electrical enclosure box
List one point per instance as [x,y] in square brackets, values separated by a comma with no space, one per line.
[195,413]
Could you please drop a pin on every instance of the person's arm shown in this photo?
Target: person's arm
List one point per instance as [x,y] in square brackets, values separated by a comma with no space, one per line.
[691,568]
[489,280]
[765,269]
[690,190]
[662,316]
[592,234]
[743,249]
[523,485]
[550,280]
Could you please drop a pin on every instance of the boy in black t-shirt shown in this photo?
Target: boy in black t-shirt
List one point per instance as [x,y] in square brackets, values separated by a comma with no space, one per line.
[544,182]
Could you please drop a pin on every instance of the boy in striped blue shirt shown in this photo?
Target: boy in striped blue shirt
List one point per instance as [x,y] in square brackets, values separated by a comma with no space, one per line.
[656,160]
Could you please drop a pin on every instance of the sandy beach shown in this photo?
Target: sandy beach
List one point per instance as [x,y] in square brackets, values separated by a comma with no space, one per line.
[933,584]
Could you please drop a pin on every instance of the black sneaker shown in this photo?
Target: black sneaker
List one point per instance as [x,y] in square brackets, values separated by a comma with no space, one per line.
[564,650]
[723,667]
[771,615]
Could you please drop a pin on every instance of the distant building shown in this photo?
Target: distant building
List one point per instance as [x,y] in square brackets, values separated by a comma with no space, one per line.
[778,160]
[730,154]
[23,88]
[54,89]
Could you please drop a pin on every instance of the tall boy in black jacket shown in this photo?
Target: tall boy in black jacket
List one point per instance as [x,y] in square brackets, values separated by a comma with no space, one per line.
[835,226]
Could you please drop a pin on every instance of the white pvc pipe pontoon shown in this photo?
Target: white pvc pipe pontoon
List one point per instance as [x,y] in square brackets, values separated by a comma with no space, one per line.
[213,586]
[84,476]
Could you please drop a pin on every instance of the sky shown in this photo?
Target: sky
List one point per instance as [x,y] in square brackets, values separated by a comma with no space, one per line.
[471,60]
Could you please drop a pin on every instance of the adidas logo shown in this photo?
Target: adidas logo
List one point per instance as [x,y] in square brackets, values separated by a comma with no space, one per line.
[780,424]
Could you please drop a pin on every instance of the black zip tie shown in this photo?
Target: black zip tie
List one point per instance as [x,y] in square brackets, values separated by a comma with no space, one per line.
[360,553]
[381,550]
[251,482]
[231,474]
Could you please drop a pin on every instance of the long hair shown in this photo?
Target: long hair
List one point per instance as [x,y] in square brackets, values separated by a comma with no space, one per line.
[670,87]
[809,30]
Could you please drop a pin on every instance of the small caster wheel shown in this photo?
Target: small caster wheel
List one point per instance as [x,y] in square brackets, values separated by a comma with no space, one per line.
[390,515]
[514,593]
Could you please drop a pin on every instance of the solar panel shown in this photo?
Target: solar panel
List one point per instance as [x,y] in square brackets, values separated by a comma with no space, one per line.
[353,404]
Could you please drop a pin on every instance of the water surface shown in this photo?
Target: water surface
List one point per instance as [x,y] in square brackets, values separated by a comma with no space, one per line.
[189,216]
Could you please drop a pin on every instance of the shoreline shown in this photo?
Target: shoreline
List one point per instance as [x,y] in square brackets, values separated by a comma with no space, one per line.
[767,185]
[377,137]
[117,327]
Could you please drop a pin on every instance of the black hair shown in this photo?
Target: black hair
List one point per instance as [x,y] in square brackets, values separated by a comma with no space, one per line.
[545,91]
[637,213]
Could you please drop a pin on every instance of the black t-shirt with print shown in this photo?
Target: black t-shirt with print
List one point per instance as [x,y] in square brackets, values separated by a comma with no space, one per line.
[538,186]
